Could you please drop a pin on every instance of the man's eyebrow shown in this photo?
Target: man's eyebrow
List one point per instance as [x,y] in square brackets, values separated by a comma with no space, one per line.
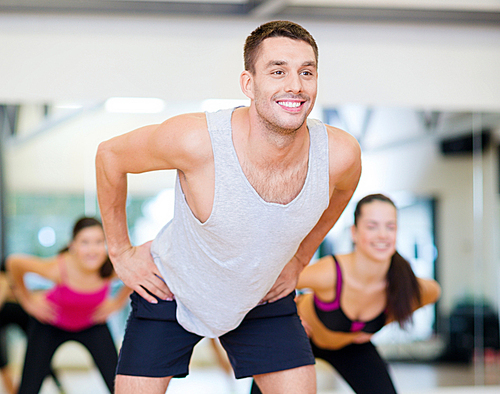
[309,63]
[271,63]
[276,63]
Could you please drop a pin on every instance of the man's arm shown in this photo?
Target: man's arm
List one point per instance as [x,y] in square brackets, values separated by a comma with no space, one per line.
[150,148]
[345,170]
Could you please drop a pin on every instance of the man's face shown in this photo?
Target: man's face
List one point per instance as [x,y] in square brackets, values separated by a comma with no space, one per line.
[284,85]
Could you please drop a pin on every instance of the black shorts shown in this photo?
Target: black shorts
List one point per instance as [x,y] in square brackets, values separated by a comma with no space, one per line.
[269,339]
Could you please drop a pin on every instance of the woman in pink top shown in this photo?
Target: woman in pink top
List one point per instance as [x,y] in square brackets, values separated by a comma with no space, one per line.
[76,308]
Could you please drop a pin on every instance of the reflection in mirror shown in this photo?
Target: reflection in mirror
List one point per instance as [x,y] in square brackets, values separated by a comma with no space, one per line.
[448,160]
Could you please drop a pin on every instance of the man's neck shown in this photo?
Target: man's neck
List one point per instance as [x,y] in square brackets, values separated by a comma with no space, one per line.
[276,169]
[264,145]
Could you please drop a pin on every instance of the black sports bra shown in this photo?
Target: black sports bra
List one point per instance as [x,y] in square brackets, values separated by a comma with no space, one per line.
[334,318]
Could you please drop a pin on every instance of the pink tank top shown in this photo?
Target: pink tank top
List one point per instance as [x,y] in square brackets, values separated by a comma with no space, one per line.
[74,308]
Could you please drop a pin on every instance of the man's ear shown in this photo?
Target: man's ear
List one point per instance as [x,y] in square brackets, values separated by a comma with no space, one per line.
[246,84]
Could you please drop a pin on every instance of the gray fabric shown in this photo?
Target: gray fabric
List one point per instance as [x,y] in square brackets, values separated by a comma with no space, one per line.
[220,269]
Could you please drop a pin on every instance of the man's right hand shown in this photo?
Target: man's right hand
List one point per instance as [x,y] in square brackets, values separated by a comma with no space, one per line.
[136,268]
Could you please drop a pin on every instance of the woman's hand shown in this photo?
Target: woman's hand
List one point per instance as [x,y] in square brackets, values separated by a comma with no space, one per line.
[306,326]
[37,305]
[362,337]
[104,310]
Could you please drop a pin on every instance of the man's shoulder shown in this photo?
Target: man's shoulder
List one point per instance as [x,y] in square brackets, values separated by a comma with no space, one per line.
[344,150]
[187,136]
[194,121]
[339,139]
[185,129]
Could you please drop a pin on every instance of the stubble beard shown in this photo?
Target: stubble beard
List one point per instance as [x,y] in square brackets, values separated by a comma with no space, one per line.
[273,125]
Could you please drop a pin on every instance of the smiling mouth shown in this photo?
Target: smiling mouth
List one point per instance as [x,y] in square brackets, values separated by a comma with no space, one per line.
[381,245]
[293,105]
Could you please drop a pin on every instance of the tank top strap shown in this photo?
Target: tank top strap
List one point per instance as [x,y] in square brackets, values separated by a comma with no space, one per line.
[228,172]
[221,136]
[62,268]
[335,304]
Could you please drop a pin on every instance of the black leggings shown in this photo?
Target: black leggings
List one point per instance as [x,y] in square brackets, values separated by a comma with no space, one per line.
[360,365]
[10,313]
[43,341]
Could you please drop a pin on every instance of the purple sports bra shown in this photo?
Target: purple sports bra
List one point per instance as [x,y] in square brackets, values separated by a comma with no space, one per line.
[334,318]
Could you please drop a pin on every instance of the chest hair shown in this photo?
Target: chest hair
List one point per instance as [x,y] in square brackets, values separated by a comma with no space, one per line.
[277,184]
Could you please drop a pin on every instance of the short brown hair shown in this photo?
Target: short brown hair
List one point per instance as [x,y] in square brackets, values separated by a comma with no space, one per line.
[274,29]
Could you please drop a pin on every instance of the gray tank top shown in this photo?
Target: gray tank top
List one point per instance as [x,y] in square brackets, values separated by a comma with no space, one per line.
[220,269]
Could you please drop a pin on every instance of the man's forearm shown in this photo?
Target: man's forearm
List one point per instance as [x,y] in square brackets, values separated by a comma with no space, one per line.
[311,242]
[112,196]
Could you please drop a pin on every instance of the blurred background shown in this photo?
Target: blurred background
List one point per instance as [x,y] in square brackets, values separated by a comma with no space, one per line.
[416,82]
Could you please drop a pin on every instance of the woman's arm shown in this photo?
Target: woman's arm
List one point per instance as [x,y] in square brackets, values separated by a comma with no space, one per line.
[112,304]
[122,296]
[33,302]
[320,277]
[337,340]
[4,289]
[430,291]
[319,334]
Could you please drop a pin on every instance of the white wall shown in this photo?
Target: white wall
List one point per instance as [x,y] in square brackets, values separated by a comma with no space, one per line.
[47,58]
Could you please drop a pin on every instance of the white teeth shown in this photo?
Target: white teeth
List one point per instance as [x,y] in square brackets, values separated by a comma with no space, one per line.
[291,104]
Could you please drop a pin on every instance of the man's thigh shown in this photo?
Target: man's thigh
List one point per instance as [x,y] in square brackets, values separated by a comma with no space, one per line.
[155,345]
[271,338]
[137,385]
[301,380]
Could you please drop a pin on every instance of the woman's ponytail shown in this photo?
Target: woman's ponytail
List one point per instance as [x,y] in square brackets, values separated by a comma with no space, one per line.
[403,290]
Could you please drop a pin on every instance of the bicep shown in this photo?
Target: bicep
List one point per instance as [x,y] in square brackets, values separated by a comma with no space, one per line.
[345,168]
[169,145]
[345,159]
[133,152]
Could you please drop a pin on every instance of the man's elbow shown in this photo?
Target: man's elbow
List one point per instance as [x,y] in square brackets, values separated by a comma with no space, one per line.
[103,150]
[105,158]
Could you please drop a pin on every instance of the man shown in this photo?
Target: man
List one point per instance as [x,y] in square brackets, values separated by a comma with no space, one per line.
[258,189]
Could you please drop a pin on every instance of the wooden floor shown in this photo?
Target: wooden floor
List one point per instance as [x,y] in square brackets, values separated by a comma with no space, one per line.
[78,376]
